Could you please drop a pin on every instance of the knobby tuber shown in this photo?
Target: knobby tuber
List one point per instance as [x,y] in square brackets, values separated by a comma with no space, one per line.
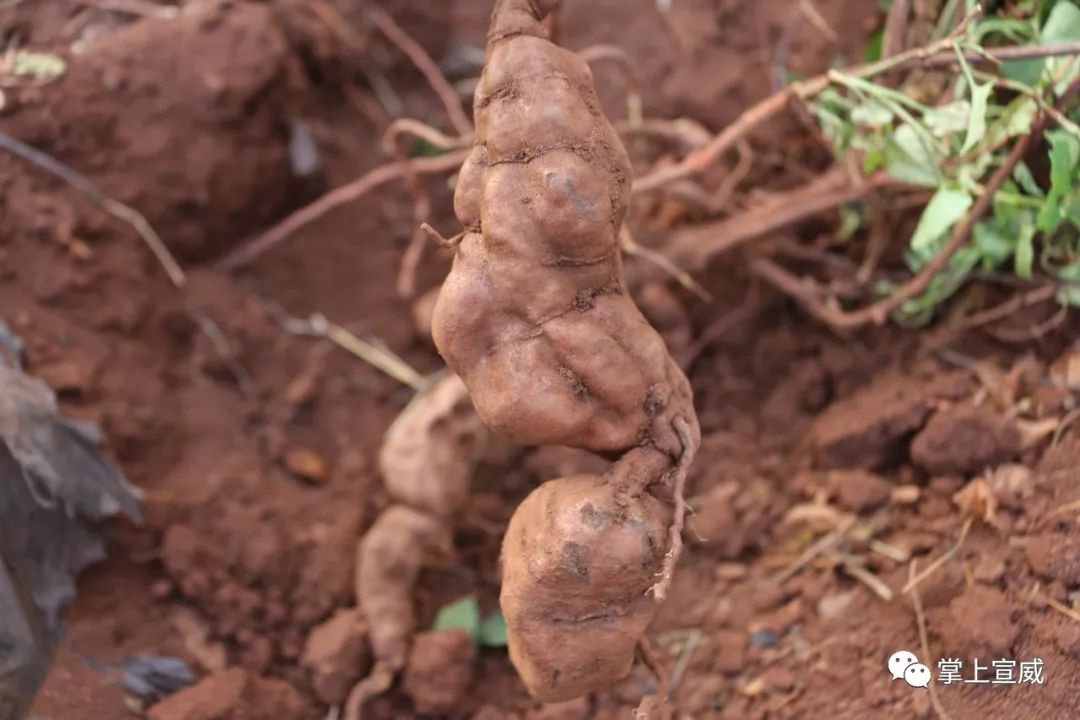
[536,319]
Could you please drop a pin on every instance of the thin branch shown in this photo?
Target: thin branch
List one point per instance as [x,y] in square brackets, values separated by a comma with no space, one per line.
[377,356]
[924,640]
[630,246]
[691,248]
[138,8]
[428,67]
[896,25]
[117,209]
[411,127]
[414,253]
[914,581]
[819,547]
[343,195]
[867,578]
[1007,308]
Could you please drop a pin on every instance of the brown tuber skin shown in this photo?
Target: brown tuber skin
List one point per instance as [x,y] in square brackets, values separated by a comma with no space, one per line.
[425,456]
[535,316]
[536,319]
[580,555]
[392,554]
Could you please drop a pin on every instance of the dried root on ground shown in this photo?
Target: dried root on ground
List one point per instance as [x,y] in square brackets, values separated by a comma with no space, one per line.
[425,461]
[536,319]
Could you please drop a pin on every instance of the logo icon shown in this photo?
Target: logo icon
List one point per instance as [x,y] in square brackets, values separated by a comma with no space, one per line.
[917,675]
[899,662]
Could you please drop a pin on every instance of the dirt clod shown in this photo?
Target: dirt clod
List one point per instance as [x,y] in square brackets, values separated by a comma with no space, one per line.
[868,428]
[232,694]
[858,490]
[203,101]
[336,655]
[1056,556]
[965,439]
[981,621]
[439,670]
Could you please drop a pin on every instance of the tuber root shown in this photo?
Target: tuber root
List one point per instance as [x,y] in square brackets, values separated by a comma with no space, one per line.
[535,315]
[580,555]
[536,319]
[392,554]
[427,453]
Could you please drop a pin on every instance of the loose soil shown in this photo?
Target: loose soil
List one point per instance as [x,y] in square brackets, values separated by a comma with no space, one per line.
[256,448]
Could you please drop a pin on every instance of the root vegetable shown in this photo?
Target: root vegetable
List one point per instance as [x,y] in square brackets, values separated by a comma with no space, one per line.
[579,557]
[536,319]
[535,315]
[427,453]
[393,552]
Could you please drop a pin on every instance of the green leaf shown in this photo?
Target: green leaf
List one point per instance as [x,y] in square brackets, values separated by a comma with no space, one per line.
[492,632]
[463,614]
[920,310]
[944,210]
[1024,254]
[1069,295]
[1062,25]
[1064,161]
[872,53]
[976,130]
[1022,174]
[1016,120]
[872,114]
[908,159]
[993,245]
[1017,31]
[949,118]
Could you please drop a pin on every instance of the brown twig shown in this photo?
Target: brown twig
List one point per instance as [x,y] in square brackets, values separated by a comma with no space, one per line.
[820,546]
[428,67]
[808,294]
[1035,332]
[376,683]
[630,246]
[138,8]
[651,703]
[914,581]
[628,68]
[853,568]
[1069,612]
[732,180]
[117,209]
[414,253]
[896,25]
[691,248]
[379,357]
[684,134]
[402,127]
[924,640]
[1007,308]
[337,197]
